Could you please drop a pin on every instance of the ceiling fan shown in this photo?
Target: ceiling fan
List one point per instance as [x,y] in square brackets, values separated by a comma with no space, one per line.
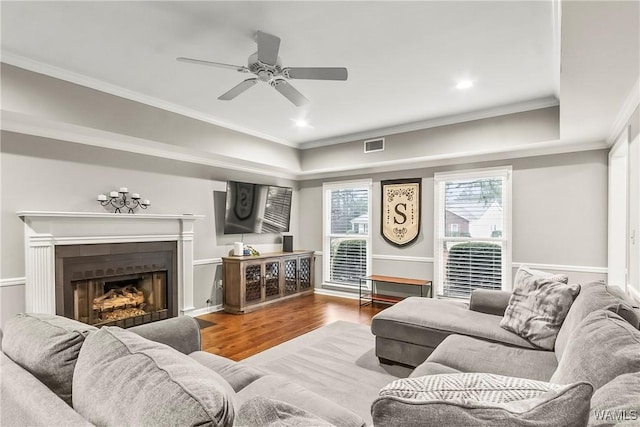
[267,67]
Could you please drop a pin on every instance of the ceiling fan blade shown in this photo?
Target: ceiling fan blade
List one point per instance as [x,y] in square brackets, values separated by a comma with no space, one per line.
[289,92]
[214,64]
[238,89]
[268,47]
[315,73]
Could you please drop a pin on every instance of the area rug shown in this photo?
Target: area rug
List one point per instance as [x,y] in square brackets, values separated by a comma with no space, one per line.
[336,361]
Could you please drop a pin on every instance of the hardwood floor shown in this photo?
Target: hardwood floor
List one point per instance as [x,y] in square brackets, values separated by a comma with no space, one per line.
[238,336]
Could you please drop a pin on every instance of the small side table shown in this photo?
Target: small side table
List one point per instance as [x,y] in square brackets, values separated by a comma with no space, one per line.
[373,296]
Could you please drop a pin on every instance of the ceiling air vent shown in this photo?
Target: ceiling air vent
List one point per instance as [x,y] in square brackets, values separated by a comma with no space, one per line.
[374,145]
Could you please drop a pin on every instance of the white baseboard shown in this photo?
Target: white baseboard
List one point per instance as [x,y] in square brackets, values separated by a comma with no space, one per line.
[200,311]
[339,294]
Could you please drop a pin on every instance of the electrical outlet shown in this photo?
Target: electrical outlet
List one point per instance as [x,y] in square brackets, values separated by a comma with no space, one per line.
[209,301]
[220,284]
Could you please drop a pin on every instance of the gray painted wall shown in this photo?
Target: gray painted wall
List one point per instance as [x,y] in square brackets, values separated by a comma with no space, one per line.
[488,135]
[559,216]
[50,175]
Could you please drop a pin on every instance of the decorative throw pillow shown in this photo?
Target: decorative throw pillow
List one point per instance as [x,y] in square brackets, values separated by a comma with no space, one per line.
[47,346]
[525,272]
[603,346]
[124,379]
[265,412]
[481,400]
[537,308]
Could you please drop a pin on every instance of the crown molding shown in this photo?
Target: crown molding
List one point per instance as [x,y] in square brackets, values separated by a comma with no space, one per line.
[82,80]
[622,118]
[30,125]
[486,113]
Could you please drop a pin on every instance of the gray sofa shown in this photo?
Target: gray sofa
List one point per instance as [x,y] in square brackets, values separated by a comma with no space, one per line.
[45,357]
[444,337]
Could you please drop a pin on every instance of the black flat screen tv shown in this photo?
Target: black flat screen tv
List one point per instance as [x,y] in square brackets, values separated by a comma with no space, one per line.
[257,208]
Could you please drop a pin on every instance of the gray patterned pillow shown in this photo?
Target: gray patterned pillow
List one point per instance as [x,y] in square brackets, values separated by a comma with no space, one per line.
[482,400]
[537,308]
[525,272]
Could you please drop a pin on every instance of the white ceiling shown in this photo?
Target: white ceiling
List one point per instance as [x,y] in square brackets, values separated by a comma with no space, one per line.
[404,58]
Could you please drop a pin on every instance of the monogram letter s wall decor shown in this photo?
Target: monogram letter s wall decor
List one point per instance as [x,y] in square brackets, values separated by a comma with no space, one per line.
[400,219]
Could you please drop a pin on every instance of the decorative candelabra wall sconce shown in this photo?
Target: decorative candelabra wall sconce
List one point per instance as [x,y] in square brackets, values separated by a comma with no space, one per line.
[119,201]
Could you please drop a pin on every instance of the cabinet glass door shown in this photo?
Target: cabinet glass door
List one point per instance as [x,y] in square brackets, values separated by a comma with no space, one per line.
[253,283]
[305,273]
[272,279]
[290,276]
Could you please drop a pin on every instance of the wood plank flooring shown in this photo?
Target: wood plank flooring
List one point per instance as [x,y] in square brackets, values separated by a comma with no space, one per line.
[238,336]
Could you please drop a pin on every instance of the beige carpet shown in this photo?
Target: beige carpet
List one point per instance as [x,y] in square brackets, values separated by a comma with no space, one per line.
[336,361]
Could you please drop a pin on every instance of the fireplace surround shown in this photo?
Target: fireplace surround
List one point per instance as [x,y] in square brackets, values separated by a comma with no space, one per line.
[47,233]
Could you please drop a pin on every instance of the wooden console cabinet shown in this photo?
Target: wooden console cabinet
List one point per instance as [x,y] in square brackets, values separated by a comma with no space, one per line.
[251,282]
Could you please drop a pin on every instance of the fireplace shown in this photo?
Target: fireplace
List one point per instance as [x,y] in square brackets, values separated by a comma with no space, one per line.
[121,284]
[48,233]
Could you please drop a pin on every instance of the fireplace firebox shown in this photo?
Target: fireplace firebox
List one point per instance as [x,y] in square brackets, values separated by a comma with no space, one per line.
[121,284]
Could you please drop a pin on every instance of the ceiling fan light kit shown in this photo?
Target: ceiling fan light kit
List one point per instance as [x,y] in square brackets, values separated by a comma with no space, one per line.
[266,65]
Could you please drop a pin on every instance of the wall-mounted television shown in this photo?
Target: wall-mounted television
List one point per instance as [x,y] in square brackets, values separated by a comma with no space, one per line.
[257,208]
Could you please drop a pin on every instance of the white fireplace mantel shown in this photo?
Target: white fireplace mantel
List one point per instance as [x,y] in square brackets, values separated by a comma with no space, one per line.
[43,230]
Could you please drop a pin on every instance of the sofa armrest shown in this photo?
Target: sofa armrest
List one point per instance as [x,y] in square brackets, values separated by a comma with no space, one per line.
[181,333]
[489,301]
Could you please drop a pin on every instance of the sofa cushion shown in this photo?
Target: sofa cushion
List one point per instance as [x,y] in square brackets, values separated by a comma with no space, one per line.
[594,296]
[467,354]
[480,400]
[26,401]
[124,379]
[432,368]
[602,347]
[537,308]
[278,388]
[427,322]
[616,401]
[264,412]
[236,374]
[47,346]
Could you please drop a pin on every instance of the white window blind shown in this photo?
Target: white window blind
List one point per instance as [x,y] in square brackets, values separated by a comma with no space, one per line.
[277,209]
[473,227]
[347,237]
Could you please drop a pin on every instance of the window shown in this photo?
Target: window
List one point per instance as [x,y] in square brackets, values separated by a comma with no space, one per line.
[472,231]
[347,239]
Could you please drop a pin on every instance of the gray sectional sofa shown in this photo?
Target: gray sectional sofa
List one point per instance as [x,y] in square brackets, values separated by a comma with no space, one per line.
[56,371]
[598,343]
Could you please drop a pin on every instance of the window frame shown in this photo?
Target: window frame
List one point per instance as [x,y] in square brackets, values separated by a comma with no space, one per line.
[439,231]
[327,187]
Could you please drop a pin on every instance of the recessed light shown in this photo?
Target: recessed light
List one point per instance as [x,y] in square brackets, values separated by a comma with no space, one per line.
[302,123]
[464,84]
